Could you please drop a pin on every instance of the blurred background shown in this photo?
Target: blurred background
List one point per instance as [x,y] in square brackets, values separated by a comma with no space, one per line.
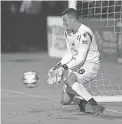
[26,26]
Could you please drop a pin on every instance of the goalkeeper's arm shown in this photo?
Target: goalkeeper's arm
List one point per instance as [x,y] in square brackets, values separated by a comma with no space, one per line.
[83,50]
[67,58]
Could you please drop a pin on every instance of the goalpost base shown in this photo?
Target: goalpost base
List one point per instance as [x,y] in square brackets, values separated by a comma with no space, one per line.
[106,99]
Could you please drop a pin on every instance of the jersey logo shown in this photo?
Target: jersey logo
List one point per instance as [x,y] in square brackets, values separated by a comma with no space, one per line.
[65,34]
[85,42]
[73,44]
[78,37]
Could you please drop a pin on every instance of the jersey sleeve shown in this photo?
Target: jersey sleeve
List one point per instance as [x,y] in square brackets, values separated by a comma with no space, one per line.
[80,58]
[67,57]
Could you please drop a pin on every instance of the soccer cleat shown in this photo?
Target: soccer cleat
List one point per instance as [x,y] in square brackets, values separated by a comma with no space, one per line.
[95,110]
[98,109]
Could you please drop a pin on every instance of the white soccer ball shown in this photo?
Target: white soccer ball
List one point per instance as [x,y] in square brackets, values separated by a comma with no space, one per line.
[30,79]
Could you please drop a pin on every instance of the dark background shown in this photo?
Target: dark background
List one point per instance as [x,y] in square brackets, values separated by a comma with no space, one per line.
[21,32]
[27,31]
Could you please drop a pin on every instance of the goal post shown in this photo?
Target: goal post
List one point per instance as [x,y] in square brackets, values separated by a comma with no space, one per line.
[106,99]
[72,3]
[106,17]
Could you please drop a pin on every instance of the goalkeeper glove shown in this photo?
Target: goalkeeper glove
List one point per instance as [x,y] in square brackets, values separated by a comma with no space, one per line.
[55,76]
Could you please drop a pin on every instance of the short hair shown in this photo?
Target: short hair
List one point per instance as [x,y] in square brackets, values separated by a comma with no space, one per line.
[72,12]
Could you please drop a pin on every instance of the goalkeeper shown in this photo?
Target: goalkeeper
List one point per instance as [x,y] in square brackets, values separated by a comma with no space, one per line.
[81,61]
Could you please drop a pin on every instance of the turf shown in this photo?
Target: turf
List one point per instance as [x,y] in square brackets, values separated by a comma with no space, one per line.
[40,105]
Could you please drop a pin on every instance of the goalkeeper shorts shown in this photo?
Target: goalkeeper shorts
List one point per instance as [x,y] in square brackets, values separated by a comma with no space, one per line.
[91,71]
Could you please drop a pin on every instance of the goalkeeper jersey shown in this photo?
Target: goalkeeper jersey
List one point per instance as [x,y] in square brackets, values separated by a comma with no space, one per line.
[74,40]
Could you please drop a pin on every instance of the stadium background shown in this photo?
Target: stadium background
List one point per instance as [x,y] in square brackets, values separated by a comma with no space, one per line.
[26,30]
[24,46]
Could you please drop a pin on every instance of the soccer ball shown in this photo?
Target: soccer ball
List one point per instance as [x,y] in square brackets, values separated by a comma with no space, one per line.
[30,79]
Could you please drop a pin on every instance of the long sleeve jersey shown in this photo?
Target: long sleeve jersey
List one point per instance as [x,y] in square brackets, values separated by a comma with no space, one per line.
[74,41]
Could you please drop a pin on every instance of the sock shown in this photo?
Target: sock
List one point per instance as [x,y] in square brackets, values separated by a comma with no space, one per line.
[82,105]
[81,91]
[91,101]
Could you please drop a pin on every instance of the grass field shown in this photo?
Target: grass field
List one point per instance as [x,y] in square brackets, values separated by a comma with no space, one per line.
[40,105]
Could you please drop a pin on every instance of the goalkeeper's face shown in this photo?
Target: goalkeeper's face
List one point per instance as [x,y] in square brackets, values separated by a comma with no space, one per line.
[67,22]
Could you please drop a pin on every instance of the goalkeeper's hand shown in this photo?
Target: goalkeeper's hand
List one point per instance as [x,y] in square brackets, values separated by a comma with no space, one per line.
[55,75]
[53,70]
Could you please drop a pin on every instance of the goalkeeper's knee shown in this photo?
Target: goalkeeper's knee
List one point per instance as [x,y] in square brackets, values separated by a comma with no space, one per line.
[70,80]
[70,91]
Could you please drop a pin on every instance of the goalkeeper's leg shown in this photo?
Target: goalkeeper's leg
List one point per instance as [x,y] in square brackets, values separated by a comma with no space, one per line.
[68,97]
[73,80]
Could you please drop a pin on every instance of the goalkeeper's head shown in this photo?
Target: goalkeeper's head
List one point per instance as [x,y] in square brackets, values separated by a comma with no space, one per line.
[70,18]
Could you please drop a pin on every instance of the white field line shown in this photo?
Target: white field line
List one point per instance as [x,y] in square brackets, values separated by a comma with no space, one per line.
[32,95]
[37,96]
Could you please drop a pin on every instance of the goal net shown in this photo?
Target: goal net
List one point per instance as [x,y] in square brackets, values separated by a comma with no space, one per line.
[104,90]
[104,16]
